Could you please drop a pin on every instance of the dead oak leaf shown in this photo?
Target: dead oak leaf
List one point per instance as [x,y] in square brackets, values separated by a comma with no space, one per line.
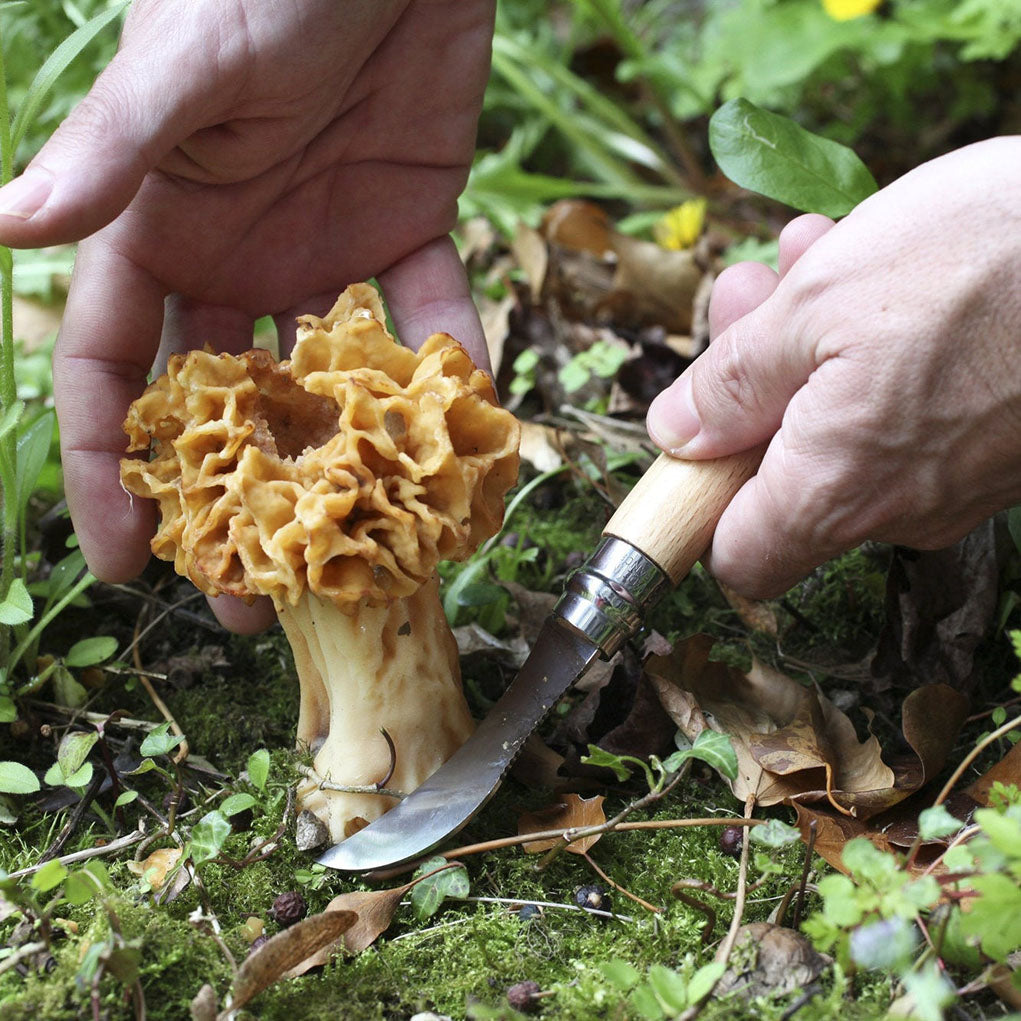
[792,743]
[571,812]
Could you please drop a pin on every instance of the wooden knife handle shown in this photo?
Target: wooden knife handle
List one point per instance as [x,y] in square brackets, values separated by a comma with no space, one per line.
[671,513]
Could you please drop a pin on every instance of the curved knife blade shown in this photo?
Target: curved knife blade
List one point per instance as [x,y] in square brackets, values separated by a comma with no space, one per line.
[465,782]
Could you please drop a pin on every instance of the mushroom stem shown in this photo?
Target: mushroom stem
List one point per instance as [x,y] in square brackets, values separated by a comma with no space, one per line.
[393,667]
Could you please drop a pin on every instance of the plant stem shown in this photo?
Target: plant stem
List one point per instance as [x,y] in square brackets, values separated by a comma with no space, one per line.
[8,387]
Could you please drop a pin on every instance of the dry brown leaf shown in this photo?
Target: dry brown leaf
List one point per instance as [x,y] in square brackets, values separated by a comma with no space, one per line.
[157,865]
[374,910]
[756,614]
[570,812]
[283,951]
[1007,771]
[792,743]
[540,447]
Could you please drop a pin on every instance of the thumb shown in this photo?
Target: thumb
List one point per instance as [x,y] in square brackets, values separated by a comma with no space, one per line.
[94,163]
[733,397]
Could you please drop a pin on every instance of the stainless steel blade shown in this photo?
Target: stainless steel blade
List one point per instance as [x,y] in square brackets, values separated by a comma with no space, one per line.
[463,784]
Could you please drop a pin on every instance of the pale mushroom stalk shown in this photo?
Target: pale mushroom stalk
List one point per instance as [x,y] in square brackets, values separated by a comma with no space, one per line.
[335,482]
[386,668]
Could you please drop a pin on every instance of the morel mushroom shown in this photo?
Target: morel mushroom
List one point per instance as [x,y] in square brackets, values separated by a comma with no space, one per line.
[335,482]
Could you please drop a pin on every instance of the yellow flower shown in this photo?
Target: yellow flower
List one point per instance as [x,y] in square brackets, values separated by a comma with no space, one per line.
[681,227]
[845,10]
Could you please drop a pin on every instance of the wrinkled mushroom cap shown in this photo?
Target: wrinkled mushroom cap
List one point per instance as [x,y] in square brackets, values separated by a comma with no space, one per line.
[348,471]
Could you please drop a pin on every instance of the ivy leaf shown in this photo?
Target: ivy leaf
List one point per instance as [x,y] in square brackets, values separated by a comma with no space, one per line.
[598,757]
[16,778]
[208,836]
[776,157]
[711,747]
[159,741]
[258,768]
[776,833]
[438,882]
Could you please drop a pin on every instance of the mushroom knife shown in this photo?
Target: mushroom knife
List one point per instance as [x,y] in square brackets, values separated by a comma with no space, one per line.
[653,540]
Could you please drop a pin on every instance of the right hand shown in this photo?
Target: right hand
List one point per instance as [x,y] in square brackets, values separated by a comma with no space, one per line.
[237,160]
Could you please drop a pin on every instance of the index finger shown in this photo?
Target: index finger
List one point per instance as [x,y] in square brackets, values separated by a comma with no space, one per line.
[106,345]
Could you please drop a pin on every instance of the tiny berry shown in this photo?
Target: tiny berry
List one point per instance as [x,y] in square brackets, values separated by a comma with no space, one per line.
[593,897]
[523,996]
[288,908]
[529,911]
[732,841]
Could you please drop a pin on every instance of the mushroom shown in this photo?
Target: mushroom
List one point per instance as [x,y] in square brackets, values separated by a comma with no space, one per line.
[334,483]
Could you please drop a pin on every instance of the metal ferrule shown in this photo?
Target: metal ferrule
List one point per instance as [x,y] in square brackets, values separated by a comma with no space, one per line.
[607,598]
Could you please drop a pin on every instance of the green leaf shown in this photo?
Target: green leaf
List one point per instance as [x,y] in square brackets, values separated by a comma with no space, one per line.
[17,606]
[701,983]
[208,836]
[125,798]
[54,776]
[90,651]
[51,875]
[54,67]
[79,888]
[430,892]
[159,741]
[598,757]
[10,417]
[887,944]
[930,992]
[80,777]
[644,1000]
[258,768]
[237,803]
[66,690]
[711,747]
[775,156]
[776,833]
[8,710]
[33,450]
[74,749]
[937,822]
[619,974]
[669,988]
[16,778]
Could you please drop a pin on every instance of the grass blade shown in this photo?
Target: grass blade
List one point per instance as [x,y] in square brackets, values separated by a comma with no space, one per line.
[55,66]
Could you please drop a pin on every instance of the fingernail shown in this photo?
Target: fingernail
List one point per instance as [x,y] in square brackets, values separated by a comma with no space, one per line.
[672,420]
[26,195]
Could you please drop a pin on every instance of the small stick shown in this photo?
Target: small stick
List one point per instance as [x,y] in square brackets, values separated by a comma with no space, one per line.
[74,819]
[627,893]
[90,852]
[799,904]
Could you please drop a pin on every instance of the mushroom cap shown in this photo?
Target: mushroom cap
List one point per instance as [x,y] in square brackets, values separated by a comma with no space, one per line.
[349,471]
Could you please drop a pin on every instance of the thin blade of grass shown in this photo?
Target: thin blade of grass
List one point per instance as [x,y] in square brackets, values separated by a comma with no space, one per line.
[55,66]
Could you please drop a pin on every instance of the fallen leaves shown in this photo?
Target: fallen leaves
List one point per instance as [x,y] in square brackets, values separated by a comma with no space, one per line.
[793,745]
[571,812]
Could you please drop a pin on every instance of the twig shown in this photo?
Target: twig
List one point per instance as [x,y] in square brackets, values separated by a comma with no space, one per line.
[25,950]
[806,868]
[543,835]
[627,893]
[724,949]
[90,852]
[74,819]
[326,785]
[959,772]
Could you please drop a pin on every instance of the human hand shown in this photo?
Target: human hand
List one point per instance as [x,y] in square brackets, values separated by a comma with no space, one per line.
[883,362]
[240,160]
